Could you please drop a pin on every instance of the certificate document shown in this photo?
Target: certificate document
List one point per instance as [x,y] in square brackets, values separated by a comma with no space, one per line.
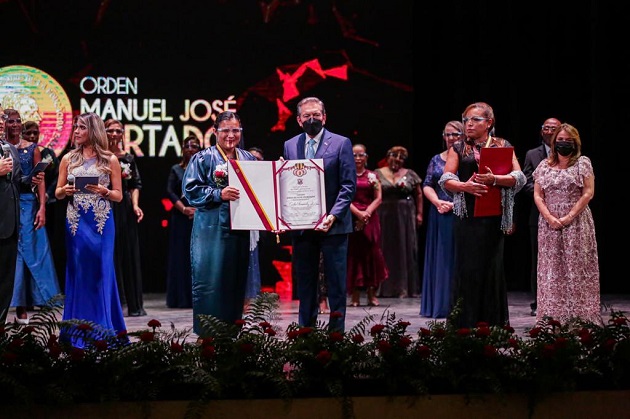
[277,195]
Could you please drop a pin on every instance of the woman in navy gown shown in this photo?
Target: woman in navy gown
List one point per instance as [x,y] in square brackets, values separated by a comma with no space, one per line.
[219,255]
[35,275]
[438,250]
[91,292]
[178,272]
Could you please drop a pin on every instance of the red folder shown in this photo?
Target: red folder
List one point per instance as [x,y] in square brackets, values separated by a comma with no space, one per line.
[499,160]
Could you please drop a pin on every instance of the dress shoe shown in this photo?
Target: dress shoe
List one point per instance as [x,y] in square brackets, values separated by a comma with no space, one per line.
[138,313]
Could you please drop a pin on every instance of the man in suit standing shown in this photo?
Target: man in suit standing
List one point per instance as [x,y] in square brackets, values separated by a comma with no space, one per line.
[332,237]
[532,159]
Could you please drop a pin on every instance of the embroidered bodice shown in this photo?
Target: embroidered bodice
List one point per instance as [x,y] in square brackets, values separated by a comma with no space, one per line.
[86,202]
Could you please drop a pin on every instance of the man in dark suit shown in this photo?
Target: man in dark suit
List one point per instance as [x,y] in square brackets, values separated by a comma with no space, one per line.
[532,159]
[332,237]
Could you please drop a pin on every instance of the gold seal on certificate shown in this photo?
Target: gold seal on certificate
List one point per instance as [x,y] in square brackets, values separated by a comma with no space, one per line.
[277,195]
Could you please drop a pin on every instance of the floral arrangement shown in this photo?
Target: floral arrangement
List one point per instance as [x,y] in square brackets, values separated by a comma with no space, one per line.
[126,169]
[402,183]
[252,358]
[220,175]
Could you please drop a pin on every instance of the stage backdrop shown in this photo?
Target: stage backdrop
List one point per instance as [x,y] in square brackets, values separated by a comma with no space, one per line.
[167,68]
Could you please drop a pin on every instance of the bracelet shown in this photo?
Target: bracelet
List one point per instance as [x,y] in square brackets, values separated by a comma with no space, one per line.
[107,193]
[494,183]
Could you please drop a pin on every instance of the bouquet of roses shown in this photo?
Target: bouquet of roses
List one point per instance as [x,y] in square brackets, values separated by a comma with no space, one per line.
[220,174]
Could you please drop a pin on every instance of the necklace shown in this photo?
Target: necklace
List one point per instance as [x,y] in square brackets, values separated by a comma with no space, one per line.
[361,174]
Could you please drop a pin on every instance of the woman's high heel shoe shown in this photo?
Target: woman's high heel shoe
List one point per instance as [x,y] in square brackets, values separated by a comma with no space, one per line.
[371,294]
[354,300]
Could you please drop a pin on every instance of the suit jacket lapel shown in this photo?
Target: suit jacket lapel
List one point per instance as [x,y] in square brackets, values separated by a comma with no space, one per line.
[324,143]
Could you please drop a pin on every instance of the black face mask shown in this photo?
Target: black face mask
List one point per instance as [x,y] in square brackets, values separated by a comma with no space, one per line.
[312,126]
[565,148]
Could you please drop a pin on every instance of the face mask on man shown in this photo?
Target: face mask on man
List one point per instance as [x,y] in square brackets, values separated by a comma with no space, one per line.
[312,126]
[565,148]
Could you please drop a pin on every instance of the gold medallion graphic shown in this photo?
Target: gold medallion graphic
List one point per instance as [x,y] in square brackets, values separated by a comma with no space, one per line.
[38,97]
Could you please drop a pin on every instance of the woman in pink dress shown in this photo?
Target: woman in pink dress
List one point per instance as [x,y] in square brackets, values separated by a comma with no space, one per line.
[366,264]
[568,267]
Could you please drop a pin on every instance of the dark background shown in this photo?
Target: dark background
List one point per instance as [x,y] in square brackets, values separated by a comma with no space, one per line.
[412,67]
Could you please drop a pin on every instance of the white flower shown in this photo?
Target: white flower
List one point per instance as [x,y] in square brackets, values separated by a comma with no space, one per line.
[372,179]
[47,159]
[126,170]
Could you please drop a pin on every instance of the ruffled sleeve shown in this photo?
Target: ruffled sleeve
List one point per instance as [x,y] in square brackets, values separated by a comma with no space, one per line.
[198,185]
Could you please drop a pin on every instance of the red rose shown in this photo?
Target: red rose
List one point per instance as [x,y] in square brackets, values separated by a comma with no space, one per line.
[336,337]
[208,352]
[270,331]
[84,327]
[147,336]
[358,338]
[377,328]
[323,357]
[483,332]
[100,345]
[176,347]
[424,351]
[404,342]
[154,323]
[383,346]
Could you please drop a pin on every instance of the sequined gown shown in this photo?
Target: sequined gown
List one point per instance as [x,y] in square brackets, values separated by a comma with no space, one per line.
[399,238]
[366,264]
[35,275]
[438,250]
[568,264]
[91,290]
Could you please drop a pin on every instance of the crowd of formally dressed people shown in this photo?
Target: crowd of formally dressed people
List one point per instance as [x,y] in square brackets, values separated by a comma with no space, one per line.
[366,242]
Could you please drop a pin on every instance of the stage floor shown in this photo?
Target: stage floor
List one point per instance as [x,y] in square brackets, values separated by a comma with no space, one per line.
[406,309]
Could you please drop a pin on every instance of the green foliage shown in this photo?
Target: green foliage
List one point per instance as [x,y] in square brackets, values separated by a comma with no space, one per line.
[253,358]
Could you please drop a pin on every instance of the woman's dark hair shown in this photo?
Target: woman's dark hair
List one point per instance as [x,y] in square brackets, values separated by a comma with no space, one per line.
[226,116]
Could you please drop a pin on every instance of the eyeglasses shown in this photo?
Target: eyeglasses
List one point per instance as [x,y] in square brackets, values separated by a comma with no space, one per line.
[475,119]
[400,156]
[27,133]
[234,131]
[4,116]
[114,131]
[452,134]
[359,154]
[316,115]
[14,121]
[193,146]
[549,128]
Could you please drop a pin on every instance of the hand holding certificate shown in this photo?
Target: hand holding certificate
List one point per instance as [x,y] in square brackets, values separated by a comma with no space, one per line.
[499,160]
[80,183]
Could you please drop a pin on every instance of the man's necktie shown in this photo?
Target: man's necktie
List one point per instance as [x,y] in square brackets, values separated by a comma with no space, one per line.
[310,150]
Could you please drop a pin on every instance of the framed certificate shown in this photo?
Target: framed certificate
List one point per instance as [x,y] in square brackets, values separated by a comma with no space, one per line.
[277,195]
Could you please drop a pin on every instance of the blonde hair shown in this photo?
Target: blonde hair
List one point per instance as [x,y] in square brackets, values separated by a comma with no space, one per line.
[97,138]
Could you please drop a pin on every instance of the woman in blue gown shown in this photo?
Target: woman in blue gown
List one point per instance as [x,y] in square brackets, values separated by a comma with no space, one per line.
[35,276]
[91,292]
[178,271]
[219,255]
[438,250]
